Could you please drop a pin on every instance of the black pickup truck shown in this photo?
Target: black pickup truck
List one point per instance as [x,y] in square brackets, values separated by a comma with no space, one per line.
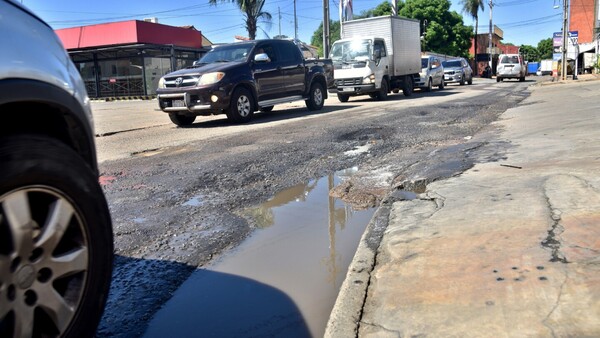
[240,78]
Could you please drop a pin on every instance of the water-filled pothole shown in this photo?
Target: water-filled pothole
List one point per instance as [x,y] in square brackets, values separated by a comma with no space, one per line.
[281,281]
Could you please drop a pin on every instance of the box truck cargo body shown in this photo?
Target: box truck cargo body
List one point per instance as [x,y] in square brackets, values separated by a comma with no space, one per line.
[375,56]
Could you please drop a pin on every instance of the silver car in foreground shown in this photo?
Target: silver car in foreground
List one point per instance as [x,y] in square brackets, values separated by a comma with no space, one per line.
[56,240]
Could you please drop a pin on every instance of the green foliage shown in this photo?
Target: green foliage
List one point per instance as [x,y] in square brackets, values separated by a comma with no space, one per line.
[529,53]
[384,8]
[545,49]
[445,31]
[252,10]
[317,37]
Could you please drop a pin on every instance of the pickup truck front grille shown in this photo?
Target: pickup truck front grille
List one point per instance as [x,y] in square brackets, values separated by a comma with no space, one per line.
[348,82]
[181,81]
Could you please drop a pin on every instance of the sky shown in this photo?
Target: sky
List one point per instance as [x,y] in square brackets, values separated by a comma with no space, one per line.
[522,21]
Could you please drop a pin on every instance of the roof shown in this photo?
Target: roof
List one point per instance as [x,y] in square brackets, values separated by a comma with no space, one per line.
[128,32]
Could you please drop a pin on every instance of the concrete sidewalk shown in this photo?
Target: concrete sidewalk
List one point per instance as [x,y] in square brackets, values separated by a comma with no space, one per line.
[506,249]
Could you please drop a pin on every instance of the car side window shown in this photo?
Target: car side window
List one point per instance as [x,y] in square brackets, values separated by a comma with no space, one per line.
[379,46]
[269,50]
[288,53]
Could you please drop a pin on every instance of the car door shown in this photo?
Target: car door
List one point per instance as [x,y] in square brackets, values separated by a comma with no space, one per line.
[268,74]
[292,65]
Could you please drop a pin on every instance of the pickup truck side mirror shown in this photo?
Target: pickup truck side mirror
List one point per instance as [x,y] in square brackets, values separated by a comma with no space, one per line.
[262,57]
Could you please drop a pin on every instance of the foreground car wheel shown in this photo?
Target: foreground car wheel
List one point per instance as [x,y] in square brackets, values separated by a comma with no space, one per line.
[241,107]
[181,120]
[56,244]
[316,97]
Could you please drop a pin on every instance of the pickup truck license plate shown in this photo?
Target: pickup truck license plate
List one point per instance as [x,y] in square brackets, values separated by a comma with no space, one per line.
[178,103]
[348,89]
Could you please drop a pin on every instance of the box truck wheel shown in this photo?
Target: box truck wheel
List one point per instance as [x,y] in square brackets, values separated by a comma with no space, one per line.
[408,85]
[343,97]
[383,91]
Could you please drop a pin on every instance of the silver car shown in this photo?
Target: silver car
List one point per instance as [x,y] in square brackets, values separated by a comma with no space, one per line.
[56,240]
[457,71]
[432,73]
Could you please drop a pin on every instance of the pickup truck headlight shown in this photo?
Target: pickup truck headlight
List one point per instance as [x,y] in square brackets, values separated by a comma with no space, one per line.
[210,78]
[161,83]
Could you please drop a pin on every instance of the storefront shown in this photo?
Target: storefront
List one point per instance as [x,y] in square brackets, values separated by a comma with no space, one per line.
[126,59]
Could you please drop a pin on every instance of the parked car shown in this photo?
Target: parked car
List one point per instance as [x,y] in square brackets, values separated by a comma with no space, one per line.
[240,78]
[56,240]
[457,71]
[432,73]
[510,66]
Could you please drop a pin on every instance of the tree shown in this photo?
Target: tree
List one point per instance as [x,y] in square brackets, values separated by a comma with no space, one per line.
[472,7]
[384,8]
[545,49]
[445,31]
[252,10]
[317,37]
[530,53]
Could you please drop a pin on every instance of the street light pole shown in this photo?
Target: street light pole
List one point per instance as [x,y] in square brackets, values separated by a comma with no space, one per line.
[565,36]
[490,37]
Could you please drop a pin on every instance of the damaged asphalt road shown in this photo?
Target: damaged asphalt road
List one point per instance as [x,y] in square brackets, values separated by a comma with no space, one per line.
[177,205]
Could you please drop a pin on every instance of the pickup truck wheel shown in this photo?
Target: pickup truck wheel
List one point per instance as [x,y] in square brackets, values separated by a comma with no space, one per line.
[266,109]
[181,120]
[241,107]
[383,91]
[343,98]
[316,98]
[408,85]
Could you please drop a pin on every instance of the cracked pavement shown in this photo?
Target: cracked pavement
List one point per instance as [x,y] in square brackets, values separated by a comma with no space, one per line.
[508,248]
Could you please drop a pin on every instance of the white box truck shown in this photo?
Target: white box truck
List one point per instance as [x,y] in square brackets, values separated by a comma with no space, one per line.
[376,56]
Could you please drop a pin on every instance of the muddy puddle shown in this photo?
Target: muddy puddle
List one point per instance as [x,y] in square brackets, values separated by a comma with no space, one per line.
[282,281]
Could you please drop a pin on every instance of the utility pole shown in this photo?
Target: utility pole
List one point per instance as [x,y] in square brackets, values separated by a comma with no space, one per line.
[295,23]
[565,36]
[490,37]
[326,28]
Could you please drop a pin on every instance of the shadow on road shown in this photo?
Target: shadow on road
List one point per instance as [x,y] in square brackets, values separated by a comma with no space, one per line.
[215,304]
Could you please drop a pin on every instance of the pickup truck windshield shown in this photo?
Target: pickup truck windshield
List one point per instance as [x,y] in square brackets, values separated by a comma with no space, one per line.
[236,52]
[352,51]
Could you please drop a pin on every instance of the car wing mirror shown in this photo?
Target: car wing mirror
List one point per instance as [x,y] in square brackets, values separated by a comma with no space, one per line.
[261,57]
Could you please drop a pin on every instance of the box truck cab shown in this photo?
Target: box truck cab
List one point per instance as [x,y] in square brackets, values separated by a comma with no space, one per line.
[360,67]
[376,56]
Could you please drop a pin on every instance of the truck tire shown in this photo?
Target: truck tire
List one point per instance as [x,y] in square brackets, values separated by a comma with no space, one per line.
[316,97]
[241,107]
[343,97]
[408,85]
[383,91]
[55,225]
[181,120]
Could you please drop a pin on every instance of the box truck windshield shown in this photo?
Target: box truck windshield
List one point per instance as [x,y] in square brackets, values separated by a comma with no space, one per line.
[351,50]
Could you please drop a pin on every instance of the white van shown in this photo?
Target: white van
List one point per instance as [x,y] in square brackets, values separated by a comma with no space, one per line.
[511,66]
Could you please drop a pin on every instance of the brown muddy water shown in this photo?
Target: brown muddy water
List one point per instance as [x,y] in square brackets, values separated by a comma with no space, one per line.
[280,282]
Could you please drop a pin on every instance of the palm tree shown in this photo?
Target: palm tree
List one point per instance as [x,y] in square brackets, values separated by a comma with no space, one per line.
[472,7]
[252,10]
